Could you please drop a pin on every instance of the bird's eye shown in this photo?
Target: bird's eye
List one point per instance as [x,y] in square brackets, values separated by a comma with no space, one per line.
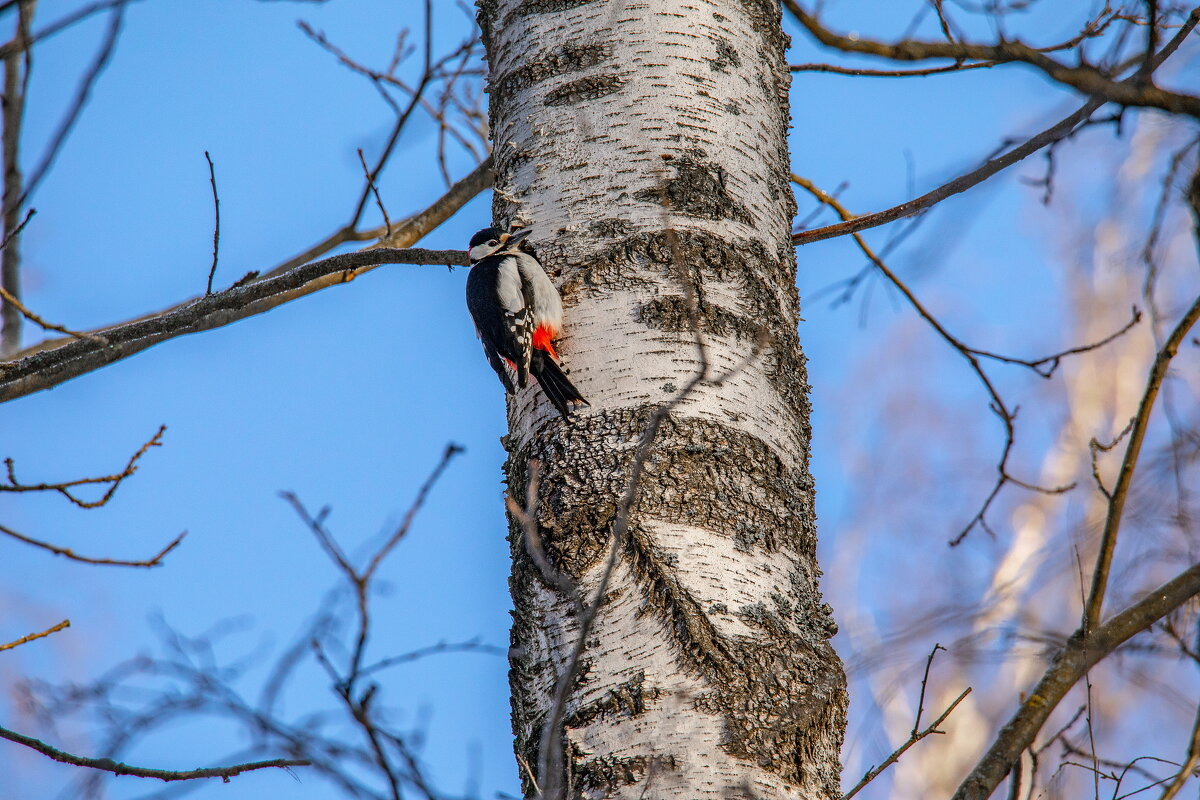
[493,242]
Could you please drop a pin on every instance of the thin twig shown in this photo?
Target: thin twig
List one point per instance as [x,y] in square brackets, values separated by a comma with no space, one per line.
[66,552]
[66,623]
[401,531]
[12,301]
[874,772]
[17,231]
[378,201]
[469,646]
[1096,447]
[924,683]
[64,488]
[527,518]
[212,178]
[82,93]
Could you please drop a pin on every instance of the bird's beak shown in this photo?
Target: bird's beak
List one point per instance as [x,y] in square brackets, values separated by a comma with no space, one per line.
[513,238]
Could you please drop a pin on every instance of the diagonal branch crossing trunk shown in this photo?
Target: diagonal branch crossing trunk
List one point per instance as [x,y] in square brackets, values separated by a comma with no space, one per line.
[633,136]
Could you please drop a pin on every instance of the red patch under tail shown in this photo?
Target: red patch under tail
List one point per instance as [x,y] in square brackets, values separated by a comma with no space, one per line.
[541,340]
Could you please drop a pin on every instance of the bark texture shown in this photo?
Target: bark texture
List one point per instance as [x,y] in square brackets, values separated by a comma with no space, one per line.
[708,672]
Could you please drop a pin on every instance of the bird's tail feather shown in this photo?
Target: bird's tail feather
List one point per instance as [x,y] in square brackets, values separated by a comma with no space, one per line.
[554,382]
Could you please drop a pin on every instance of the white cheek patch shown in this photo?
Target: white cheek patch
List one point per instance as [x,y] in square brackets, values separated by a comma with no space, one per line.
[479,251]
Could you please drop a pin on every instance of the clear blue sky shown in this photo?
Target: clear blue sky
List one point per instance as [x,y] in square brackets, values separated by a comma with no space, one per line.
[345,397]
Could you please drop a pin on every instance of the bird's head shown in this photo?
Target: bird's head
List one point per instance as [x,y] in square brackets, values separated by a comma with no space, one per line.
[490,241]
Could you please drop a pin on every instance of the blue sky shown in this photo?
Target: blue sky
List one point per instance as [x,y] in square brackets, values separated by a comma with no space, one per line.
[344,397]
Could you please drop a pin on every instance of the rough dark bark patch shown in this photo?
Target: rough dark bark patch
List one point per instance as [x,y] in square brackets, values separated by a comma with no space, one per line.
[698,187]
[628,698]
[726,57]
[701,473]
[671,314]
[530,7]
[767,290]
[590,88]
[604,773]
[570,57]
[772,689]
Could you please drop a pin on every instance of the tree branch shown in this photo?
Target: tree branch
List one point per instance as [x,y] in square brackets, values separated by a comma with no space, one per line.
[1189,762]
[1069,665]
[1054,133]
[64,488]
[42,370]
[1116,504]
[118,768]
[1082,76]
[916,735]
[66,623]
[67,552]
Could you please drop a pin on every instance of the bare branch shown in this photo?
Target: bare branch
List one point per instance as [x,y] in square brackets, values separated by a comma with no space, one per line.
[42,370]
[1120,492]
[117,768]
[1189,762]
[66,623]
[212,178]
[1069,664]
[890,73]
[1136,91]
[1006,415]
[1059,130]
[401,531]
[60,25]
[65,487]
[154,561]
[1054,133]
[917,736]
[82,93]
[11,301]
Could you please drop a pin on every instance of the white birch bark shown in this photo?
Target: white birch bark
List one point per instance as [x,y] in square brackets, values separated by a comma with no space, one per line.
[708,672]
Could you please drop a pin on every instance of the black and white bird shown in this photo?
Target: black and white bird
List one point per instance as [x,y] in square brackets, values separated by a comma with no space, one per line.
[518,315]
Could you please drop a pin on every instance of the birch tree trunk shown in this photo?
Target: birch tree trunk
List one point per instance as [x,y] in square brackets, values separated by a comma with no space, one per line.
[708,672]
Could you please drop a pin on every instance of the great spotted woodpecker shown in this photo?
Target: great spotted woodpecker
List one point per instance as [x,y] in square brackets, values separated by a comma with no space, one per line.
[518,315]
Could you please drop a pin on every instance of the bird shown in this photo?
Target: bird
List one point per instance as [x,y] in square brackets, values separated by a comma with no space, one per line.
[517,314]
